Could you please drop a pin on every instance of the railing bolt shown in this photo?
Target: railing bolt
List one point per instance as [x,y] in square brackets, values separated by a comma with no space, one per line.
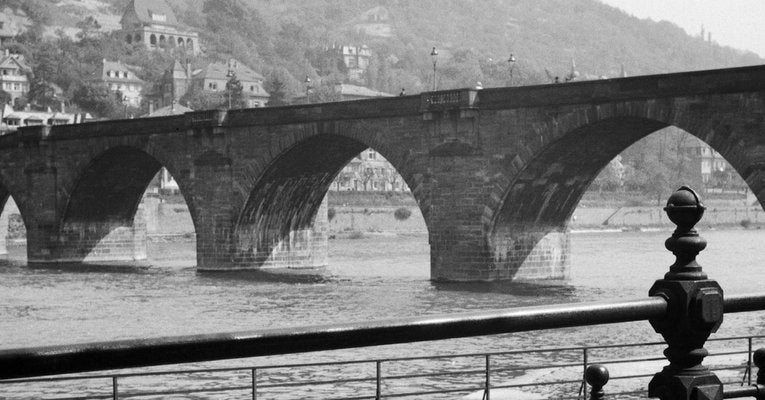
[597,376]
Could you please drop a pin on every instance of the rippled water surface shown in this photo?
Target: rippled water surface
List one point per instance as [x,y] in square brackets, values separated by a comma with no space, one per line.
[371,278]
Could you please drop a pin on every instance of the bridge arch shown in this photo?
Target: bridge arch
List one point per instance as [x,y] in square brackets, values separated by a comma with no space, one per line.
[567,153]
[5,196]
[97,220]
[283,203]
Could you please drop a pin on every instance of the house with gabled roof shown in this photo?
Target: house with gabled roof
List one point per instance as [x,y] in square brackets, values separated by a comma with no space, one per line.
[119,77]
[13,75]
[214,76]
[153,24]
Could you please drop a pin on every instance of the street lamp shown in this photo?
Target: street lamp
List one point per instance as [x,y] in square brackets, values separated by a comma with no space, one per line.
[229,75]
[308,88]
[511,60]
[434,56]
[125,103]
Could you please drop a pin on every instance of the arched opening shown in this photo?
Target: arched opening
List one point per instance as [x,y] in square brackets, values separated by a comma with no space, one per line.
[121,199]
[153,40]
[190,44]
[624,204]
[137,38]
[289,201]
[129,39]
[12,229]
[171,41]
[181,43]
[542,200]
[162,41]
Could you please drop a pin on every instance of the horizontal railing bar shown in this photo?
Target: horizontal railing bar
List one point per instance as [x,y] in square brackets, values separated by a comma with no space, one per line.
[733,392]
[28,362]
[387,360]
[316,383]
[744,302]
[410,394]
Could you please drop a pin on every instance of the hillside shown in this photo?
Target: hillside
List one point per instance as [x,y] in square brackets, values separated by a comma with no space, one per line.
[284,39]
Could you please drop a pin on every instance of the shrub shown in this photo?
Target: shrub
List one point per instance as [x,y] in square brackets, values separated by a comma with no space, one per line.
[402,213]
[331,213]
[745,223]
[356,235]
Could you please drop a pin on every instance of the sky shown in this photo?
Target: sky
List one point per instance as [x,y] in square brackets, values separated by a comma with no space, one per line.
[735,23]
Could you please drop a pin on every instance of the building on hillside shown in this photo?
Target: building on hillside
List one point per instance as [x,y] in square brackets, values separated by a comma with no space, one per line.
[370,172]
[215,76]
[12,120]
[375,22]
[119,77]
[13,75]
[13,22]
[350,61]
[176,82]
[153,23]
[344,92]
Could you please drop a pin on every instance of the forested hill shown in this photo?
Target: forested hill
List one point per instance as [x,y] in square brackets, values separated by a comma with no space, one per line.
[542,34]
[284,39]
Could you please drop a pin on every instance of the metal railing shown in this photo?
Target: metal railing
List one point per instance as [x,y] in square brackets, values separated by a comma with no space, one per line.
[457,374]
[684,306]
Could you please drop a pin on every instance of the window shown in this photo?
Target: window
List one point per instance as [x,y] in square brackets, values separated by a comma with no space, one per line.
[158,17]
[252,88]
[2,23]
[16,87]
[5,72]
[113,86]
[109,74]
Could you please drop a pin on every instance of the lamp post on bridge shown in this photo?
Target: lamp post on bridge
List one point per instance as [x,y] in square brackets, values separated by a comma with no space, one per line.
[434,57]
[308,89]
[511,61]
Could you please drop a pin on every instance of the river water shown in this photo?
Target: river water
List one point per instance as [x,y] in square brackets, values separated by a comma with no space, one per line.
[375,277]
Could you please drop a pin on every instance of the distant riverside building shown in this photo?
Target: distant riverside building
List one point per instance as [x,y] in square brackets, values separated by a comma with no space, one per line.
[369,172]
[214,76]
[12,120]
[13,75]
[705,160]
[119,77]
[153,23]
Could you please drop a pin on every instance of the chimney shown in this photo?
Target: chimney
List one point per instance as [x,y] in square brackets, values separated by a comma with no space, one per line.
[63,107]
[151,107]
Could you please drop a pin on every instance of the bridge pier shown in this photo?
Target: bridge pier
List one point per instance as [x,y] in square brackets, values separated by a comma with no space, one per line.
[90,242]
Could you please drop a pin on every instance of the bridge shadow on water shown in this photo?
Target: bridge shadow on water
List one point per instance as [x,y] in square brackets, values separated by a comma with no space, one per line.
[275,275]
[552,288]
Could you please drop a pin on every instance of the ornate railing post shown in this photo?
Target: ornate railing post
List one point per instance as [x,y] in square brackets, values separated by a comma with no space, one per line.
[695,309]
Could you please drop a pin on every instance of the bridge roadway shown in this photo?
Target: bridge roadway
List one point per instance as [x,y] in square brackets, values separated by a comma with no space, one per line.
[493,171]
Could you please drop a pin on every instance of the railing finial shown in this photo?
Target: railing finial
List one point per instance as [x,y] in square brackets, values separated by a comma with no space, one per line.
[694,309]
[684,209]
[596,376]
[759,362]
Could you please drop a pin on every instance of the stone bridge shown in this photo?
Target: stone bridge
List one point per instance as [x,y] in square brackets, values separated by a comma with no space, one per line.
[493,171]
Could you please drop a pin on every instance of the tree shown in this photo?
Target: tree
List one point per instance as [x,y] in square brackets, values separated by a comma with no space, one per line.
[235,92]
[198,99]
[276,89]
[42,93]
[5,97]
[89,29]
[98,99]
